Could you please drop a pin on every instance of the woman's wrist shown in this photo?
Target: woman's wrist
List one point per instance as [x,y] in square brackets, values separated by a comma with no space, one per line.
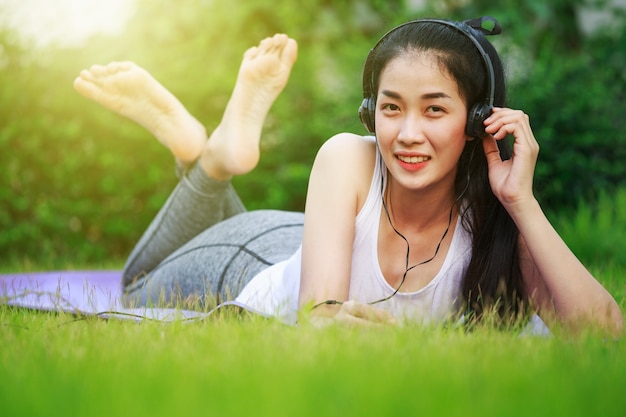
[524,210]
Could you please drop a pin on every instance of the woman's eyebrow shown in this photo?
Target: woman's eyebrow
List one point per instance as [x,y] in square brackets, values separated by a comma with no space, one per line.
[390,94]
[426,96]
[435,95]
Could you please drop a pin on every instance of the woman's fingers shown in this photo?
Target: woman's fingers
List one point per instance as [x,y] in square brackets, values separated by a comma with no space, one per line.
[357,313]
[503,122]
[506,121]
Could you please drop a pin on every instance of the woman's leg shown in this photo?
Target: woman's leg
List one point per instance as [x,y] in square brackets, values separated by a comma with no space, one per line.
[196,203]
[204,196]
[215,265]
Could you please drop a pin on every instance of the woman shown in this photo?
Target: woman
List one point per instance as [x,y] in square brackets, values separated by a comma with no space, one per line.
[425,221]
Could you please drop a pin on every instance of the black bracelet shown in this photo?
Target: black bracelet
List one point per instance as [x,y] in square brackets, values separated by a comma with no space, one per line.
[329,302]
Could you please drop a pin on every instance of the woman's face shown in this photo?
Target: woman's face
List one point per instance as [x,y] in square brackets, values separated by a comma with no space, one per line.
[420,122]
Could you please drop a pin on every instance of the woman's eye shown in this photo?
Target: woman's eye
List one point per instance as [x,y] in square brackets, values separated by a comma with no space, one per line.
[435,109]
[390,107]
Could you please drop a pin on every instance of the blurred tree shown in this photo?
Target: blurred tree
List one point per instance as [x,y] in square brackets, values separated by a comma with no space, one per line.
[572,84]
[81,183]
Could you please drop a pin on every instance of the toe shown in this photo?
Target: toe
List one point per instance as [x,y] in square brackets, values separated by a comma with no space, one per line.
[266,44]
[113,68]
[86,75]
[251,53]
[98,70]
[85,87]
[290,51]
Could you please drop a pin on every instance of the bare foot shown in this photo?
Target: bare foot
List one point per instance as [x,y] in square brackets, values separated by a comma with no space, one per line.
[132,92]
[233,148]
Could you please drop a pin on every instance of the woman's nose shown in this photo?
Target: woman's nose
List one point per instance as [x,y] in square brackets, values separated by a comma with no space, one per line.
[412,130]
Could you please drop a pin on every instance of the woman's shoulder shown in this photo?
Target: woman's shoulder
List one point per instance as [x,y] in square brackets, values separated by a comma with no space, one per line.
[350,140]
[349,150]
[352,158]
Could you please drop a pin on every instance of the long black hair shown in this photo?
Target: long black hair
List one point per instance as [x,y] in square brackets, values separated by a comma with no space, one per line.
[493,281]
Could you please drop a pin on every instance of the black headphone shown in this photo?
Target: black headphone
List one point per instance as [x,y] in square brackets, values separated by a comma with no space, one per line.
[477,113]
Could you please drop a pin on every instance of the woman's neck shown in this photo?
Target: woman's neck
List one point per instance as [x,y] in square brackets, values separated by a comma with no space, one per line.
[418,210]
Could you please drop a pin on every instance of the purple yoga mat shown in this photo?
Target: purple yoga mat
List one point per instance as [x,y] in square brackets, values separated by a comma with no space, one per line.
[81,291]
[86,292]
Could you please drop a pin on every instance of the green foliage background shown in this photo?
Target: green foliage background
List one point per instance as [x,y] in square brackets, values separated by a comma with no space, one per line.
[81,184]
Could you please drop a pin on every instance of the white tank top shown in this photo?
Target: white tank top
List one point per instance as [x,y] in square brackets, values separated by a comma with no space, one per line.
[436,301]
[274,291]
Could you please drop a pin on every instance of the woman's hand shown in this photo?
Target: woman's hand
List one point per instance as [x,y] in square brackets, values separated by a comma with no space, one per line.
[351,313]
[355,313]
[559,285]
[511,180]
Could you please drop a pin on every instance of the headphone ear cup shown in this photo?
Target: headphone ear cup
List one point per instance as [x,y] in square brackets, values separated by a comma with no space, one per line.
[367,114]
[475,126]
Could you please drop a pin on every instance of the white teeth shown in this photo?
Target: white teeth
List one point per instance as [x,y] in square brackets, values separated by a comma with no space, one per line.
[413,159]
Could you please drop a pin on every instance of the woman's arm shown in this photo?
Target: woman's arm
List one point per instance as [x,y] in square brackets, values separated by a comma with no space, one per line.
[558,284]
[331,208]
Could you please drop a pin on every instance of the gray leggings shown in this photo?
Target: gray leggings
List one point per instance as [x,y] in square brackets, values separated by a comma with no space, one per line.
[203,247]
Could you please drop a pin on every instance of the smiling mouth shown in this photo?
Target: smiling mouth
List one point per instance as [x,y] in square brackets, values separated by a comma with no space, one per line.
[413,159]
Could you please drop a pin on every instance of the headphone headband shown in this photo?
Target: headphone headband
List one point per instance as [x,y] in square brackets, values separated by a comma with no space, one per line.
[463,28]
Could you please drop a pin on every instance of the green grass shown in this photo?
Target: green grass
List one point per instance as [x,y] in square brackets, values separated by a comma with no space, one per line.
[596,232]
[56,365]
